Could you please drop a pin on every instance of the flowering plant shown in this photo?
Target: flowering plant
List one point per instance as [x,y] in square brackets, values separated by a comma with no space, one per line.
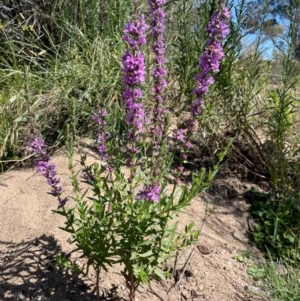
[131,219]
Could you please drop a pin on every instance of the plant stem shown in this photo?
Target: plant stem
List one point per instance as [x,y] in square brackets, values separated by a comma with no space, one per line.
[97,283]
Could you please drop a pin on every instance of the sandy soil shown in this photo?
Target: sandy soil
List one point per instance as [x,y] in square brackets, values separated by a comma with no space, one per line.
[30,237]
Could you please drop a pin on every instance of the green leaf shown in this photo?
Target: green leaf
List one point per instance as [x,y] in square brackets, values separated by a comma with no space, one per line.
[275,229]
[63,213]
[145,243]
[160,273]
[290,236]
[21,119]
[172,228]
[255,272]
[189,227]
[134,256]
[147,254]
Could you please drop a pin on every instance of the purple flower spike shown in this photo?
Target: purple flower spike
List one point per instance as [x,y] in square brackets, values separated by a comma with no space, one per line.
[135,32]
[63,201]
[159,71]
[134,70]
[209,63]
[38,146]
[47,168]
[149,193]
[210,60]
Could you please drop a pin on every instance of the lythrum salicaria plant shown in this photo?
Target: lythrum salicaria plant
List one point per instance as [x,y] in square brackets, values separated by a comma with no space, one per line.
[209,64]
[127,216]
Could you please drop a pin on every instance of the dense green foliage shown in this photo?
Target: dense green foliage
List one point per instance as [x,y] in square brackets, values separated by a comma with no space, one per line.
[278,230]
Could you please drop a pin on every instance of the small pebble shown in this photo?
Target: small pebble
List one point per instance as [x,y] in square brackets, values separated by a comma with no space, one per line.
[240,236]
[253,289]
[203,249]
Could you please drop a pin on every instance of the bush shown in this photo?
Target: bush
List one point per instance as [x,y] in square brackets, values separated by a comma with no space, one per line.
[278,226]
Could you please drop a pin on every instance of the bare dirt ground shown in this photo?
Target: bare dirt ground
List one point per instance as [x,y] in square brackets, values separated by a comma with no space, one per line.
[30,237]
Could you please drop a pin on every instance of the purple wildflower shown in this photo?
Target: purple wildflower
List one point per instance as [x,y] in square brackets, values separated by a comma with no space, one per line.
[47,168]
[197,106]
[209,64]
[180,135]
[211,58]
[135,32]
[103,134]
[135,116]
[134,68]
[149,193]
[188,145]
[159,72]
[134,75]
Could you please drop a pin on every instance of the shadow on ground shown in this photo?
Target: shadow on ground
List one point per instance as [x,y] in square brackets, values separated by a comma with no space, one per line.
[28,272]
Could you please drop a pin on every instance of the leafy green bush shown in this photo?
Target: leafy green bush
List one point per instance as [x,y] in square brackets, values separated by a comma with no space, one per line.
[278,227]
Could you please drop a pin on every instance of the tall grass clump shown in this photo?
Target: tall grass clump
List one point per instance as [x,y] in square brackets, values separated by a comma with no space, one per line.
[281,281]
[90,75]
[104,17]
[69,58]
